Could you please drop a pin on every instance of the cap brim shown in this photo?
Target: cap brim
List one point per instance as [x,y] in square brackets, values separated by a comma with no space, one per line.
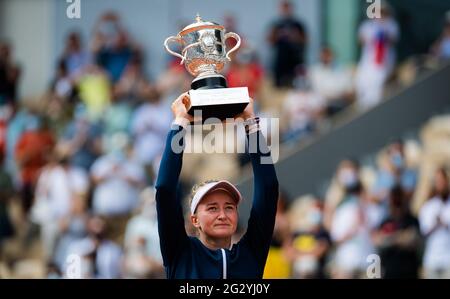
[210,187]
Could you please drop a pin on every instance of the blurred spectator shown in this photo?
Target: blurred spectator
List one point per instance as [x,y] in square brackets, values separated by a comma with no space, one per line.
[72,229]
[441,48]
[142,252]
[14,130]
[75,58]
[59,188]
[245,71]
[301,110]
[100,257]
[398,239]
[278,264]
[32,153]
[332,82]
[394,170]
[378,38]
[9,76]
[6,192]
[149,125]
[133,86]
[82,139]
[112,46]
[94,90]
[350,232]
[3,129]
[434,217]
[129,92]
[118,179]
[62,85]
[288,39]
[346,175]
[175,79]
[310,245]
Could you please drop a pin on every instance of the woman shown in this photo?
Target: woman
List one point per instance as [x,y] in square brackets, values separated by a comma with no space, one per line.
[214,214]
[350,231]
[434,219]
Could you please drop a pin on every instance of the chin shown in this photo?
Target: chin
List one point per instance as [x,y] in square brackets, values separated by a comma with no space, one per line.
[223,232]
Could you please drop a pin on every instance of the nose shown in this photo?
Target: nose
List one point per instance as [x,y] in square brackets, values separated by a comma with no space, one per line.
[222,215]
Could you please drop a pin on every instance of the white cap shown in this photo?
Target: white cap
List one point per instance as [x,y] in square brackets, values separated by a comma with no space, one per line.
[205,189]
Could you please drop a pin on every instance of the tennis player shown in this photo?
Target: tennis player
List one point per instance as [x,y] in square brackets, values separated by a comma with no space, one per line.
[214,212]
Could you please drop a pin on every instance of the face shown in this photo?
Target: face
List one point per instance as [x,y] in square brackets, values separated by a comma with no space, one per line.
[347,173]
[326,56]
[441,182]
[74,42]
[216,215]
[286,8]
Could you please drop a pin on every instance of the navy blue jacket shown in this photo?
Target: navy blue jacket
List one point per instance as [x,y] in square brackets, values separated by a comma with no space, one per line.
[186,257]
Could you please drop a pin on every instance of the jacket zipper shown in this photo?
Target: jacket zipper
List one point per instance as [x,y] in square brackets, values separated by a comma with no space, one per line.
[224,264]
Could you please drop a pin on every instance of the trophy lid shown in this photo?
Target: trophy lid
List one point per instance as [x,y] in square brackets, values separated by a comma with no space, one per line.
[200,24]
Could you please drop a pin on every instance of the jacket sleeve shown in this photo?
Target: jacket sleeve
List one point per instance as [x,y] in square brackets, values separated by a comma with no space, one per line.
[169,208]
[265,197]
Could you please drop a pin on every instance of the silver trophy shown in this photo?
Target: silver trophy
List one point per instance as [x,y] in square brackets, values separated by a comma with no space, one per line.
[204,55]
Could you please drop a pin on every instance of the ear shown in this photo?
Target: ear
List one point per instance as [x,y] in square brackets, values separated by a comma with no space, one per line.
[194,221]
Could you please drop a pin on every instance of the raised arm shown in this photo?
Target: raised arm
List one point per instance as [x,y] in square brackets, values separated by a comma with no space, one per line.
[265,193]
[171,228]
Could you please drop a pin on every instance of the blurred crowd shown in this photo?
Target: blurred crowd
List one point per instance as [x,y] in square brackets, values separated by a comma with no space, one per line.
[368,209]
[79,163]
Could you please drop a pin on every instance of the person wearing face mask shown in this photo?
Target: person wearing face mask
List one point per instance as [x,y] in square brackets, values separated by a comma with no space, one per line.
[350,226]
[310,245]
[345,176]
[398,239]
[394,171]
[142,254]
[434,219]
[118,179]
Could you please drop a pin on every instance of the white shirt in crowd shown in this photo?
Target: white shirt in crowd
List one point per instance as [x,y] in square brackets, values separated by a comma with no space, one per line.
[331,82]
[351,254]
[150,124]
[107,262]
[437,246]
[377,60]
[55,189]
[301,107]
[115,195]
[369,32]
[143,227]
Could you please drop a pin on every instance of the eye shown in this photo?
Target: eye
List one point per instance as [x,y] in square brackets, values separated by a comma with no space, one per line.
[212,209]
[231,208]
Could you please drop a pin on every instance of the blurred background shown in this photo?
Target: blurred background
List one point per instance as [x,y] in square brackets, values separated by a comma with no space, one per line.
[364,109]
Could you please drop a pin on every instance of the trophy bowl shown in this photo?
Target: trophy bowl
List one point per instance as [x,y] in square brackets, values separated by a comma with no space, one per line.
[204,55]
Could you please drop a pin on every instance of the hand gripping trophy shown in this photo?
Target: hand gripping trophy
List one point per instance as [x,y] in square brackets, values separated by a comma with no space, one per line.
[204,55]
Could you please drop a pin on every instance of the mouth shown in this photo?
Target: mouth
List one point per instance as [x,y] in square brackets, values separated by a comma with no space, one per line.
[222,225]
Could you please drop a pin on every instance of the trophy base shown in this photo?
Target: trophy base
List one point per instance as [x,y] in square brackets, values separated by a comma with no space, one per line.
[210,82]
[219,103]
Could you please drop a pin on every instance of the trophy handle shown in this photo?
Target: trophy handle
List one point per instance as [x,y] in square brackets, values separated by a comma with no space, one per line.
[237,38]
[166,44]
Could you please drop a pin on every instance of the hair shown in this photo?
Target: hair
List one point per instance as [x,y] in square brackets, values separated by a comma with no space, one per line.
[439,171]
[195,189]
[191,229]
[397,196]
